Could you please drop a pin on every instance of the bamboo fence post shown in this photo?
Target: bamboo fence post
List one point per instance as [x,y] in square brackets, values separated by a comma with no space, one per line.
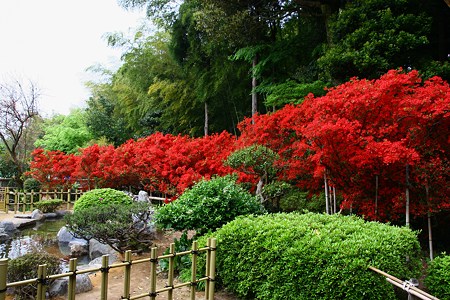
[194,253]
[72,279]
[127,276]
[208,257]
[32,200]
[105,271]
[212,269]
[40,195]
[153,265]
[171,271]
[41,280]
[3,275]
[68,199]
[24,201]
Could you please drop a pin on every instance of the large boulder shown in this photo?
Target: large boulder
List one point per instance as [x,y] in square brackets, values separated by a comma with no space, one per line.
[8,226]
[37,215]
[97,249]
[78,248]
[64,236]
[59,287]
[4,236]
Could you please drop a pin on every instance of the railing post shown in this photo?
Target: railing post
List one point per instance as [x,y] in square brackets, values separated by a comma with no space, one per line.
[42,283]
[171,271]
[72,279]
[68,199]
[153,265]
[104,270]
[32,200]
[194,269]
[212,269]
[127,276]
[208,257]
[3,276]
[16,202]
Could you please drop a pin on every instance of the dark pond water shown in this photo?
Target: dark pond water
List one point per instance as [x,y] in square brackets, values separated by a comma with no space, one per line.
[41,237]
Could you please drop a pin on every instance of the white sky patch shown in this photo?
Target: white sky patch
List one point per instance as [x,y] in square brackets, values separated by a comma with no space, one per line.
[52,42]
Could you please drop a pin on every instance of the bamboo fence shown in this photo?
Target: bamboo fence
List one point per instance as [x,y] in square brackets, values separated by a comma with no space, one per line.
[405,285]
[21,202]
[43,279]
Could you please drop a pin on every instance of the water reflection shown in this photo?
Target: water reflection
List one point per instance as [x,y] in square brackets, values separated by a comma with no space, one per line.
[41,237]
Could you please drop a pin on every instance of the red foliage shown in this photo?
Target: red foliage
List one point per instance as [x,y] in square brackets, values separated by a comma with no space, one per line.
[360,133]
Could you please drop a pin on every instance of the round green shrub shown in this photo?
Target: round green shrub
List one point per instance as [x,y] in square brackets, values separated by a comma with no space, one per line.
[31,184]
[438,277]
[208,205]
[100,197]
[26,267]
[48,206]
[312,256]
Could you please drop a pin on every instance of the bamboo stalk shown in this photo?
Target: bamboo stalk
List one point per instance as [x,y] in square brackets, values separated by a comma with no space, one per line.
[208,263]
[194,269]
[72,279]
[41,286]
[171,271]
[3,273]
[127,275]
[104,270]
[153,266]
[212,269]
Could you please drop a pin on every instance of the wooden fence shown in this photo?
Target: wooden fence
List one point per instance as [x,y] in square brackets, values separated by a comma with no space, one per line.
[407,286]
[42,280]
[19,201]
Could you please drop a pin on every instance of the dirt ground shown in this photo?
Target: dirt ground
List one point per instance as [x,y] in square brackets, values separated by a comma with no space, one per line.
[140,279]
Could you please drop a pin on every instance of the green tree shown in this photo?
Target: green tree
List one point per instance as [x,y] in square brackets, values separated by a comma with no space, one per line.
[370,37]
[65,133]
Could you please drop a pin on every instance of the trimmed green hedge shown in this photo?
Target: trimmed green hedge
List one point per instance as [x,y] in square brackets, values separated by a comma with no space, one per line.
[313,256]
[99,197]
[438,277]
[48,206]
[208,205]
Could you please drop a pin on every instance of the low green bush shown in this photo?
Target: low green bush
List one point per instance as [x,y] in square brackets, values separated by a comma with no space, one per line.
[312,256]
[26,267]
[123,227]
[48,206]
[31,184]
[438,277]
[102,197]
[208,205]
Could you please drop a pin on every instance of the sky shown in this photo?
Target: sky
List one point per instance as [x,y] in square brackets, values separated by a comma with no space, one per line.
[53,42]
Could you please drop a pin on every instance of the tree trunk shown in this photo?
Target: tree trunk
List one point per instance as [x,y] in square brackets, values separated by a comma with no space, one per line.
[430,232]
[327,208]
[254,85]
[206,119]
[407,196]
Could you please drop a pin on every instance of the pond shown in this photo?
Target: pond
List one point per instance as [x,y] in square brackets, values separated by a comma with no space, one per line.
[41,237]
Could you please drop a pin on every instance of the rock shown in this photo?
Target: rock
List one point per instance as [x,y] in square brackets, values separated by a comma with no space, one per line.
[64,236]
[59,287]
[23,216]
[97,262]
[8,226]
[4,236]
[78,248]
[143,197]
[97,249]
[50,215]
[83,284]
[37,215]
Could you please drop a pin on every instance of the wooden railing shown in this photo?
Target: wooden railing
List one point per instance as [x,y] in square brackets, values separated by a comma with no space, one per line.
[19,201]
[42,280]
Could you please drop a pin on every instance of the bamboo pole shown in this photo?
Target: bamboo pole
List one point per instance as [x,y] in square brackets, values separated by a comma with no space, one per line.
[153,266]
[41,280]
[171,271]
[3,273]
[194,269]
[68,199]
[208,263]
[104,270]
[72,279]
[212,269]
[127,275]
